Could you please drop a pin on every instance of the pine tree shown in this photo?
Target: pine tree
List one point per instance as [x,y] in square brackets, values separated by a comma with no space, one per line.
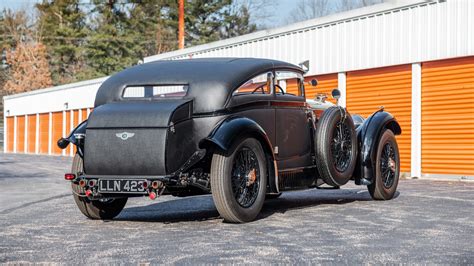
[62,26]
[111,46]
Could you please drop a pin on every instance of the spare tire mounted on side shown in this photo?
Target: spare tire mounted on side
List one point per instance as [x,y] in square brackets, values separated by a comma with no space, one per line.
[336,146]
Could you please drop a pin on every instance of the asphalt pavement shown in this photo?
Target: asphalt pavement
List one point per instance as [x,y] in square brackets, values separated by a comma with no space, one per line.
[428,222]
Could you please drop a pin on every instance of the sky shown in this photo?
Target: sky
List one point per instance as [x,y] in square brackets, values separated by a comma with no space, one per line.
[281,9]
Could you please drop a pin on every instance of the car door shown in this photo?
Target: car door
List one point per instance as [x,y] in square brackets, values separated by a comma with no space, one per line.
[293,138]
[253,100]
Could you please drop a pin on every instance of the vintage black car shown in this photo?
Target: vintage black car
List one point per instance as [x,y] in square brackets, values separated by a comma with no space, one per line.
[238,128]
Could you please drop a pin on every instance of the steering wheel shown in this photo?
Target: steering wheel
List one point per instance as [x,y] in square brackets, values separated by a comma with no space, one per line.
[278,87]
[259,88]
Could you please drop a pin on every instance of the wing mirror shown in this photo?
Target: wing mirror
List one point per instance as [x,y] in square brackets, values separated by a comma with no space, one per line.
[336,94]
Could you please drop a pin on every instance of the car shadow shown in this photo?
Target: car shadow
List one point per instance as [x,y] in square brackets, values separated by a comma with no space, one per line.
[201,208]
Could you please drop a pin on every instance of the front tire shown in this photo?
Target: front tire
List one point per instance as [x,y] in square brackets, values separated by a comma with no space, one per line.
[94,209]
[387,170]
[239,181]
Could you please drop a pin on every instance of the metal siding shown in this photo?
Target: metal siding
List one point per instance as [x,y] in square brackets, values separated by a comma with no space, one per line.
[20,134]
[57,132]
[43,133]
[447,110]
[31,133]
[390,87]
[387,35]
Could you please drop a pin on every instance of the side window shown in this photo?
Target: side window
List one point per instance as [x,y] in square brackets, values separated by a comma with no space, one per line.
[260,84]
[289,82]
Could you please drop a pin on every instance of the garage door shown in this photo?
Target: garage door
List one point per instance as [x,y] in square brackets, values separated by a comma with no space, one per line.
[31,133]
[57,132]
[43,133]
[390,87]
[448,117]
[10,133]
[326,83]
[20,134]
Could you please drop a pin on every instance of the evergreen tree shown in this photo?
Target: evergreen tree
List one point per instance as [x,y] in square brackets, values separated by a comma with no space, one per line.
[111,47]
[62,26]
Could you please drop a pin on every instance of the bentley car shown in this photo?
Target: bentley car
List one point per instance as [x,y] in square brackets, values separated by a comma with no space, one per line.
[240,129]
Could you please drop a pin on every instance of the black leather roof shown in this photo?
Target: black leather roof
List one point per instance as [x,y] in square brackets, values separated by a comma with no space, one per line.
[210,80]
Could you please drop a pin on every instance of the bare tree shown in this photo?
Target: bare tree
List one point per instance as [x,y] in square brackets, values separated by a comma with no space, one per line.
[260,11]
[345,5]
[309,9]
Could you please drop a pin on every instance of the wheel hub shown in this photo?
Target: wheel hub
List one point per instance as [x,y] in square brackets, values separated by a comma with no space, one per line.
[391,164]
[251,177]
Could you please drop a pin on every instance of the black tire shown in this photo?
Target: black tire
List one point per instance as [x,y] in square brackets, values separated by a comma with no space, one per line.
[228,185]
[94,209]
[387,171]
[336,163]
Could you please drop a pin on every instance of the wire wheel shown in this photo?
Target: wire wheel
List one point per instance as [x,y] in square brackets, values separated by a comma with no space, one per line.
[341,146]
[245,177]
[388,165]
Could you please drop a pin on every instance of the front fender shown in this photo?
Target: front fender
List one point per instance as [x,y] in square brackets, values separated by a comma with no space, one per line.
[368,136]
[232,128]
[76,137]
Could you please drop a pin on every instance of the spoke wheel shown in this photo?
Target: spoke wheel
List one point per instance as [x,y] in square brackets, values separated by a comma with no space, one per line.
[387,168]
[239,180]
[336,146]
[341,146]
[245,177]
[388,165]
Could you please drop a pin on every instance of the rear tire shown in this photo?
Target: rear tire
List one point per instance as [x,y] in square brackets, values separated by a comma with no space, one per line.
[387,170]
[239,181]
[336,147]
[94,209]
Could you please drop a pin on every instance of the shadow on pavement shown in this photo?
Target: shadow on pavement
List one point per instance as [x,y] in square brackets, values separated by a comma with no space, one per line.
[200,208]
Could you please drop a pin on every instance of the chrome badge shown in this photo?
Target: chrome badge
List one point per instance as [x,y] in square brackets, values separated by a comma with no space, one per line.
[124,135]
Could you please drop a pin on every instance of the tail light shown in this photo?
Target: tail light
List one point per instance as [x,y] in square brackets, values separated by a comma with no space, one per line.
[69,176]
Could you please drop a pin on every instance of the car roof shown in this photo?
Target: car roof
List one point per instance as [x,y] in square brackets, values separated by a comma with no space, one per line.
[211,80]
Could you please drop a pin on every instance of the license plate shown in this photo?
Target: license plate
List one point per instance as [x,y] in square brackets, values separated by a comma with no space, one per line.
[121,186]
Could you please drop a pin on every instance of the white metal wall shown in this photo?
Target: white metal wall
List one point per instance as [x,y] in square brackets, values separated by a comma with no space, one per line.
[377,36]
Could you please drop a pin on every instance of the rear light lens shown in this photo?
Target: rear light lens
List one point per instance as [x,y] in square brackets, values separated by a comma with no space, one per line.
[92,183]
[69,176]
[82,183]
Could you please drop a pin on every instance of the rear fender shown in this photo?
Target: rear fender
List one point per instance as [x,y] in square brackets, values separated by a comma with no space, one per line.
[232,128]
[76,137]
[368,135]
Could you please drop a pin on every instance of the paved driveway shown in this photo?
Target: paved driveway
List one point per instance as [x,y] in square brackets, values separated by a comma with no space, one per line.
[428,222]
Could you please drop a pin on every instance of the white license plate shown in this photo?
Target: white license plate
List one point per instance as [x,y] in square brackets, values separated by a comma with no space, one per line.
[121,186]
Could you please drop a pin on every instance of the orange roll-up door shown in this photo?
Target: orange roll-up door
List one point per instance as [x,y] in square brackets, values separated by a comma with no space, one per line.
[367,90]
[20,134]
[31,134]
[447,109]
[326,83]
[43,133]
[10,133]
[84,114]
[57,132]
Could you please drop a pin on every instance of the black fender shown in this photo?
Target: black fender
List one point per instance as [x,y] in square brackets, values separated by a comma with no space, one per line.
[76,137]
[234,127]
[368,135]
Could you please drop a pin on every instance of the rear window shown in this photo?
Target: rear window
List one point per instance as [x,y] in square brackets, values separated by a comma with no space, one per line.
[155,91]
